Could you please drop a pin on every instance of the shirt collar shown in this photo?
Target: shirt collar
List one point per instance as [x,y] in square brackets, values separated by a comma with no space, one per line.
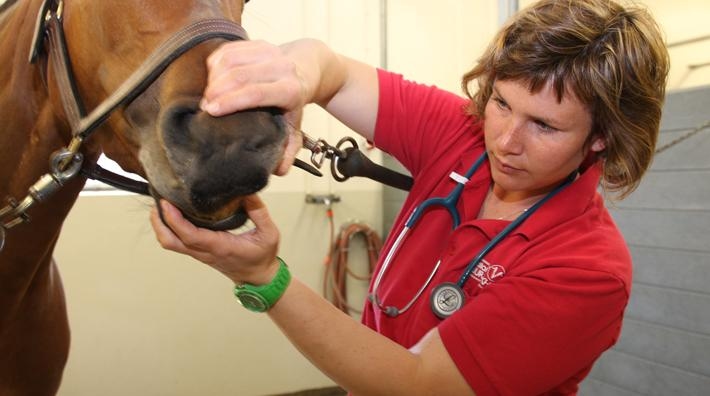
[569,203]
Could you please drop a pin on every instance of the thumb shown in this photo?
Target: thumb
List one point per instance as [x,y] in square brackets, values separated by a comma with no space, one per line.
[259,215]
[293,145]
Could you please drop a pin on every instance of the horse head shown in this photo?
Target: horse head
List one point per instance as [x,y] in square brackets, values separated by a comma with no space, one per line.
[84,52]
[204,165]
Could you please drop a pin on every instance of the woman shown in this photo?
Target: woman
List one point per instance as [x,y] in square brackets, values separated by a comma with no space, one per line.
[568,93]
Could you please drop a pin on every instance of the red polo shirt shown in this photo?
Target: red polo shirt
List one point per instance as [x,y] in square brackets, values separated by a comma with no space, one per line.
[544,303]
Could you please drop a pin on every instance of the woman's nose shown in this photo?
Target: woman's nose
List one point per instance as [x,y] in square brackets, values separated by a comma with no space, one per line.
[510,139]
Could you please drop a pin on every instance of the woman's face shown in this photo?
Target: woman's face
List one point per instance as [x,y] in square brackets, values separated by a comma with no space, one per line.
[534,141]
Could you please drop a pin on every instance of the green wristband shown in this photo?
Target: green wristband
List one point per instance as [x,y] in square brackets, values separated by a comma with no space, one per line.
[261,298]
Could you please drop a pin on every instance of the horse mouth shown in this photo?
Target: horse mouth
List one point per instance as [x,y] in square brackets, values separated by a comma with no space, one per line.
[235,220]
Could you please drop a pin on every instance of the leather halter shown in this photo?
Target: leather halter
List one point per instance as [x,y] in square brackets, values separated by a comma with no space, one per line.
[49,24]
[67,163]
[83,125]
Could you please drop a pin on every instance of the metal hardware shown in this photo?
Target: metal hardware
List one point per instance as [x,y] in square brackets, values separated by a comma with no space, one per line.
[326,199]
[346,160]
[65,164]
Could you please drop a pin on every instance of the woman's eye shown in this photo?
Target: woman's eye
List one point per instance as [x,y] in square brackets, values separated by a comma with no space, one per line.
[544,127]
[500,103]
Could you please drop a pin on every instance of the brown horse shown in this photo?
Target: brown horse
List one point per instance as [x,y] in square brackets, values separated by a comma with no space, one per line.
[200,163]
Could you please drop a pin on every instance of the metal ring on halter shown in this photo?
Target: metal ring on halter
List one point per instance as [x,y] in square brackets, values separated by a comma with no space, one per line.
[65,164]
[341,154]
[347,139]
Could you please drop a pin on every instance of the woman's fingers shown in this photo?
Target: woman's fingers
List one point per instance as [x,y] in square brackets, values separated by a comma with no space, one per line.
[177,234]
[265,229]
[245,75]
[278,93]
[180,235]
[165,236]
[236,53]
[293,145]
[242,257]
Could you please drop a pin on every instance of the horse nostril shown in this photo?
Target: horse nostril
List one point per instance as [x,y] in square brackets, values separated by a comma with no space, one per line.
[257,143]
[176,125]
[216,159]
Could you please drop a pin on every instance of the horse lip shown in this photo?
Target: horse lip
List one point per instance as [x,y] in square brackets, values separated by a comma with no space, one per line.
[236,220]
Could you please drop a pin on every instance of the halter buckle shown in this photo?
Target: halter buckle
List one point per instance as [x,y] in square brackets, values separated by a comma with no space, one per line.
[65,164]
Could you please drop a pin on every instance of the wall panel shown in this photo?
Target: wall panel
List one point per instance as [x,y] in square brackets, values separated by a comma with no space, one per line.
[665,343]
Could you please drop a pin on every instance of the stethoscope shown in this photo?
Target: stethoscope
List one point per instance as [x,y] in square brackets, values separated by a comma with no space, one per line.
[449,297]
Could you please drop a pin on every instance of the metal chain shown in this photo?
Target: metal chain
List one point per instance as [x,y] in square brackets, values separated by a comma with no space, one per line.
[672,143]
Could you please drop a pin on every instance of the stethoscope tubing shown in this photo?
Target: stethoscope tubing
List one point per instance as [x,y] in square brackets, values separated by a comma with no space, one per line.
[509,228]
[449,202]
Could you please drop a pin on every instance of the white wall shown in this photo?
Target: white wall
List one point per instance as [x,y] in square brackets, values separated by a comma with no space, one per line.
[683,20]
[437,42]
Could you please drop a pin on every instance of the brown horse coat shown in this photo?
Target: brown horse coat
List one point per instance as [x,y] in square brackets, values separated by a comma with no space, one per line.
[200,163]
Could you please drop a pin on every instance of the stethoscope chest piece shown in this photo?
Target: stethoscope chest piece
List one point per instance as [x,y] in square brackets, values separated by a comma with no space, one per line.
[446,299]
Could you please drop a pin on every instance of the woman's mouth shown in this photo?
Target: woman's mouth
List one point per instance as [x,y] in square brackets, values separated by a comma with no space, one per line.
[503,166]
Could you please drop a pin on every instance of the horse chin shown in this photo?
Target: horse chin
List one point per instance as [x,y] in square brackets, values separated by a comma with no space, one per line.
[230,217]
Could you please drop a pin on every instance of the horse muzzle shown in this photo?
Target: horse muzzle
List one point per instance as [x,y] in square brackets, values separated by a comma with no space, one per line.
[206,165]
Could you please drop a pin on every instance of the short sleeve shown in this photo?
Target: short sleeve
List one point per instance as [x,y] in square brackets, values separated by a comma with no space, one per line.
[417,123]
[529,334]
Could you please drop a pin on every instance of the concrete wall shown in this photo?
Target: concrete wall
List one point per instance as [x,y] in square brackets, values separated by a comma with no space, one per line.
[665,344]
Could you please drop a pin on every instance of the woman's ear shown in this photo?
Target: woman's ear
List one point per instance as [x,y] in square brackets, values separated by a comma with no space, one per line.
[598,144]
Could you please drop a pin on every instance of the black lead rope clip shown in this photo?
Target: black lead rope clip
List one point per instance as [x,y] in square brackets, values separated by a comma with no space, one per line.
[346,162]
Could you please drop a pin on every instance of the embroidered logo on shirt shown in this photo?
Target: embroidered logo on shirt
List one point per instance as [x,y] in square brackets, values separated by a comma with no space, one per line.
[486,273]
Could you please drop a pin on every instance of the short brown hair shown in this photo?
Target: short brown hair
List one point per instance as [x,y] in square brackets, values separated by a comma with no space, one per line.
[612,58]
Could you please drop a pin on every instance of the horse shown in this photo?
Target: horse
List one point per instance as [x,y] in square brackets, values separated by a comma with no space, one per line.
[123,78]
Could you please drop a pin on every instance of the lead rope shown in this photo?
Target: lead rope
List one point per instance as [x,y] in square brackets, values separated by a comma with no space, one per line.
[337,267]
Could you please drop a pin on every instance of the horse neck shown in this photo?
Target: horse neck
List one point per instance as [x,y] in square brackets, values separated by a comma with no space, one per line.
[30,130]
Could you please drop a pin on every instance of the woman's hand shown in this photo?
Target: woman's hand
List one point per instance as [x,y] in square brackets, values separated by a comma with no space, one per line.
[249,257]
[250,74]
